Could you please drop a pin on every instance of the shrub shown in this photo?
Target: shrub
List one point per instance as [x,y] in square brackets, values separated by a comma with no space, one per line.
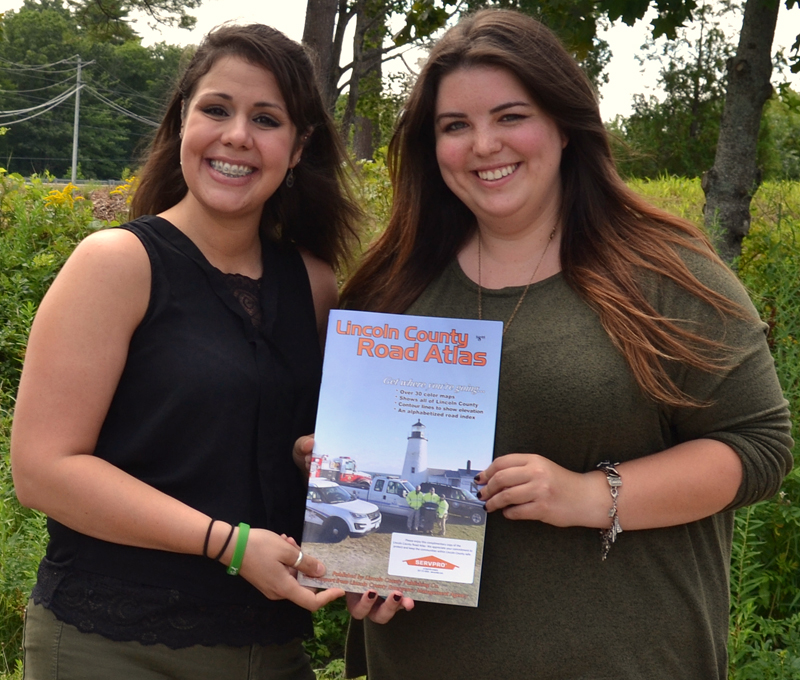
[39,227]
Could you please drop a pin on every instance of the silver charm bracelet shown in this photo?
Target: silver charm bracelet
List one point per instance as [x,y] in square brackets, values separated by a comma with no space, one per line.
[615,482]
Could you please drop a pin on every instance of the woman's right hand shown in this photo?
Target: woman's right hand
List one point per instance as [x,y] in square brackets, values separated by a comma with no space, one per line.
[377,609]
[268,564]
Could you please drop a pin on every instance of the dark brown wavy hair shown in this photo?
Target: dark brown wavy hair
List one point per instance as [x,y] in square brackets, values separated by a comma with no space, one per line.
[318,212]
[610,235]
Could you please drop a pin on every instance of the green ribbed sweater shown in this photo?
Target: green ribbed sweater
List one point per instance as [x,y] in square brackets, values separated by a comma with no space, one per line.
[550,609]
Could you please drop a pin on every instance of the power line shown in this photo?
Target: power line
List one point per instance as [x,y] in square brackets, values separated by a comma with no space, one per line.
[121,109]
[38,89]
[50,105]
[37,67]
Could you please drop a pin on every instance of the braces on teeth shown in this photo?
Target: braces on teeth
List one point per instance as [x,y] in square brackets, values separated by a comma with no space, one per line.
[231,170]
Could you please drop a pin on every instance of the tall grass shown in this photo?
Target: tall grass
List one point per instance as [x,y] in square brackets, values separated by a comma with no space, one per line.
[39,227]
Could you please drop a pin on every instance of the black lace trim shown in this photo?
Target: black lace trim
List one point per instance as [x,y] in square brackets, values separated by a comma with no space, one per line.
[246,291]
[125,612]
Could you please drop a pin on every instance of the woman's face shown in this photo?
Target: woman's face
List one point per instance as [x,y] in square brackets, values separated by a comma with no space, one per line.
[237,139]
[497,150]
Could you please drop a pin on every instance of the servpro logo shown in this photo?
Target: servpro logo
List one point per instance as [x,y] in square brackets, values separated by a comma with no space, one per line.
[430,561]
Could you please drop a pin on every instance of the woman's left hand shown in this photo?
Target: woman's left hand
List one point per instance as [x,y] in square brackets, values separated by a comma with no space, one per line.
[377,609]
[529,486]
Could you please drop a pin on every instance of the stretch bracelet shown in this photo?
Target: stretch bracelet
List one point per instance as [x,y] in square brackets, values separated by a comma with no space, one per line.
[238,551]
[615,482]
[208,536]
[225,545]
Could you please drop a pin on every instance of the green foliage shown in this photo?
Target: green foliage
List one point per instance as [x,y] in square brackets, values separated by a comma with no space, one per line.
[765,570]
[780,139]
[109,19]
[765,583]
[423,19]
[39,227]
[375,194]
[576,23]
[327,645]
[677,135]
[22,542]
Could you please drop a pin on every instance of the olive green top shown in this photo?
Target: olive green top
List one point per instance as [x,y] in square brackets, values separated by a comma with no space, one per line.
[549,608]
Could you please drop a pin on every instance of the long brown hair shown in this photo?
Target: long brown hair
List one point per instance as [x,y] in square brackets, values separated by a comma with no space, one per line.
[318,212]
[610,235]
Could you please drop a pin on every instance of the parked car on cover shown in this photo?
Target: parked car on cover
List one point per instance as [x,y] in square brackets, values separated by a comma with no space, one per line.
[462,503]
[336,513]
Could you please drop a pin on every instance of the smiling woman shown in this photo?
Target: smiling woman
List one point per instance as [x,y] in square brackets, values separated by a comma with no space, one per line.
[626,346]
[238,143]
[170,368]
[500,154]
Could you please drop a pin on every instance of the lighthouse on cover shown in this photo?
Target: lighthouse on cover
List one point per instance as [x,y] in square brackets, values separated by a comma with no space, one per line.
[415,467]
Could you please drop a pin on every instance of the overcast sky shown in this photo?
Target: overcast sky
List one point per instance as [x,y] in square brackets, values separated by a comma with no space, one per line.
[626,76]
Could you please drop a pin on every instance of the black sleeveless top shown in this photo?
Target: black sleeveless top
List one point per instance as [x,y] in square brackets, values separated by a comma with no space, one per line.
[209,404]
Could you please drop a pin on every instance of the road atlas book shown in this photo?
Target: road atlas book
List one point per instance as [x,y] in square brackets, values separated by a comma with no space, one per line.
[406,420]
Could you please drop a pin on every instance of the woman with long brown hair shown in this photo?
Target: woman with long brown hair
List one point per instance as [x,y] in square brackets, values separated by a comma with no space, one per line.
[170,367]
[637,391]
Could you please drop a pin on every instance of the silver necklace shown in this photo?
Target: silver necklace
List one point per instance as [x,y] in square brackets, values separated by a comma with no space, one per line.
[524,292]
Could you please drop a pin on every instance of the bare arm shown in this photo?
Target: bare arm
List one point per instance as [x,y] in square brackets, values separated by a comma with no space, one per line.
[75,356]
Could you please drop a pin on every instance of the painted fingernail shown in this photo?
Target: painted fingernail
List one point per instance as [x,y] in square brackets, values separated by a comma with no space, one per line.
[371,595]
[396,597]
[477,478]
[478,495]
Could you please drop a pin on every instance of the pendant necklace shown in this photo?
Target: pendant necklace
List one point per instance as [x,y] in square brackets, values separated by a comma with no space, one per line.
[524,292]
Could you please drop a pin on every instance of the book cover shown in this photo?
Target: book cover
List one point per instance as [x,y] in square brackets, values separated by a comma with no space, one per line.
[406,420]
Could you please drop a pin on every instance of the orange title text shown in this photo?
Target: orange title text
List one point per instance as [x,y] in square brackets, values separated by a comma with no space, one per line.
[444,347]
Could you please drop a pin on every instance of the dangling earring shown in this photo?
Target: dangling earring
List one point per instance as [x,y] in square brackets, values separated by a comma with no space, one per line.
[290,178]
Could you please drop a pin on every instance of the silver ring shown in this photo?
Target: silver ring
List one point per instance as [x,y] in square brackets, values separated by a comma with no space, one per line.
[298,560]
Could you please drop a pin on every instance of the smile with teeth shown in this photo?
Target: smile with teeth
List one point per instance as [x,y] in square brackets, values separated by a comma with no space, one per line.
[231,170]
[498,173]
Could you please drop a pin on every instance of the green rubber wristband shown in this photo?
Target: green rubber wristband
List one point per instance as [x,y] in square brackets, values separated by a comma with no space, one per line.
[238,551]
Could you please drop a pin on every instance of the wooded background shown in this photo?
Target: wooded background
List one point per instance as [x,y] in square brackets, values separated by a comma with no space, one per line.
[720,117]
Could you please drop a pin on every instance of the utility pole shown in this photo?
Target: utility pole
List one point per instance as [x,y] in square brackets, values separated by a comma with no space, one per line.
[75,126]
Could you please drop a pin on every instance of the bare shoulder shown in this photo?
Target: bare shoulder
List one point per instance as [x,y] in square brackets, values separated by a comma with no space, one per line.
[117,249]
[107,274]
[324,287]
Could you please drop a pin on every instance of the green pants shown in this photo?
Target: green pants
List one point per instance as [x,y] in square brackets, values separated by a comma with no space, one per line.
[58,651]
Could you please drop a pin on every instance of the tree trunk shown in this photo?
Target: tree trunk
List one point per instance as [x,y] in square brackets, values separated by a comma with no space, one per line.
[319,35]
[365,80]
[729,185]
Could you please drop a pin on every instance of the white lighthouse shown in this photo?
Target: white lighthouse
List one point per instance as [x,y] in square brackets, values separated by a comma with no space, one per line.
[415,467]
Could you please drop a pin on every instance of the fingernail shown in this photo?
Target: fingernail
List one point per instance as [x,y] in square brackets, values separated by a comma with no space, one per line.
[477,478]
[371,595]
[396,597]
[320,569]
[478,495]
